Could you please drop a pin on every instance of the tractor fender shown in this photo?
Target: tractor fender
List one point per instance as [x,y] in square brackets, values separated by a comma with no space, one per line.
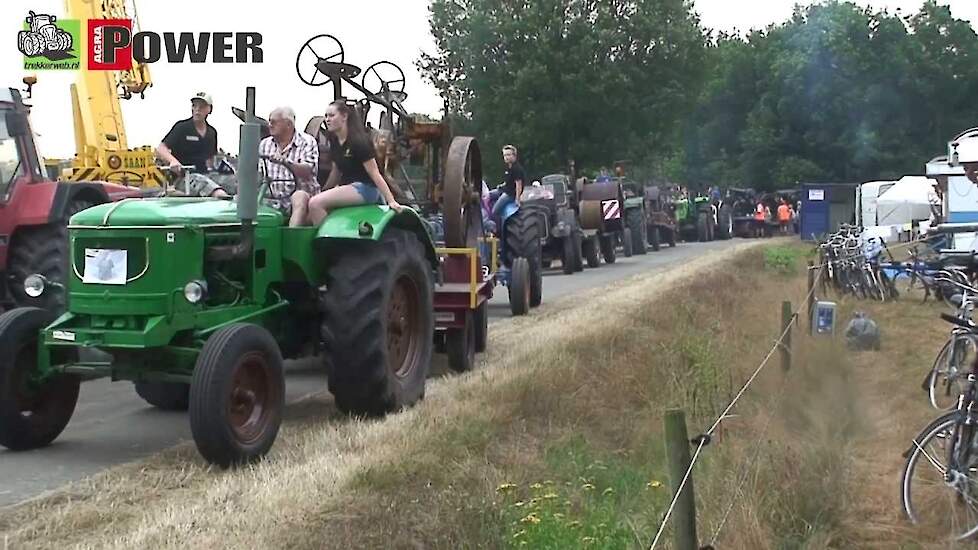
[508,210]
[92,192]
[368,223]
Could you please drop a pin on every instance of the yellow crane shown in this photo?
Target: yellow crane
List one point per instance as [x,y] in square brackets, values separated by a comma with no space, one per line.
[102,151]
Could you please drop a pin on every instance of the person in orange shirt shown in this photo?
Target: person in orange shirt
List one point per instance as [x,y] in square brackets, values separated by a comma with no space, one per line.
[784,217]
[759,219]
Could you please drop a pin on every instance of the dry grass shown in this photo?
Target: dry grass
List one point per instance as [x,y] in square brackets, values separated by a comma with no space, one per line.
[428,477]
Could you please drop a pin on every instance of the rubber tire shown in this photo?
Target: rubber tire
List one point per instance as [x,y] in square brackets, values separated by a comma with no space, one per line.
[460,345]
[626,242]
[671,239]
[523,241]
[19,329]
[607,244]
[519,287]
[354,330]
[569,257]
[166,396]
[702,228]
[590,250]
[635,220]
[578,254]
[654,238]
[482,327]
[44,250]
[210,395]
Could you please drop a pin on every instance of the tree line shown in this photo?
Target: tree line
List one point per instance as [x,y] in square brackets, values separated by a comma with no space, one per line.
[838,93]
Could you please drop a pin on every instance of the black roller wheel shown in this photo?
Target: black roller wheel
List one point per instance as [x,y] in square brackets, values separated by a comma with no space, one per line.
[167,396]
[590,250]
[607,243]
[237,395]
[42,250]
[378,324]
[460,344]
[519,287]
[654,237]
[32,415]
[635,219]
[481,327]
[626,242]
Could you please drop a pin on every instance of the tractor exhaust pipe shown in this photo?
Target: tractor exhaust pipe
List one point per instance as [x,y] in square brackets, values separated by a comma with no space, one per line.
[247,186]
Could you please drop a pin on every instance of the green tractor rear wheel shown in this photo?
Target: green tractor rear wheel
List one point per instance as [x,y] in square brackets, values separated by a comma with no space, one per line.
[636,222]
[378,324]
[32,415]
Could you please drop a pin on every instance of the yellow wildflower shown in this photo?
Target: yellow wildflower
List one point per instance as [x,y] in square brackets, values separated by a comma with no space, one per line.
[587,487]
[549,496]
[574,523]
[588,540]
[519,504]
[519,533]
[654,484]
[505,487]
[608,491]
[536,486]
[531,518]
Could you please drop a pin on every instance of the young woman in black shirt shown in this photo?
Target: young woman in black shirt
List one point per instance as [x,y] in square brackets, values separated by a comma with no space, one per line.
[355,178]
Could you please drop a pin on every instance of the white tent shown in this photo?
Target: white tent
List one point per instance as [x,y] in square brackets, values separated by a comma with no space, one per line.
[909,200]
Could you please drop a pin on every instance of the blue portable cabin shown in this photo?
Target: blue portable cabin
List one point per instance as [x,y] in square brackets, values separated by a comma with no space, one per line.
[826,206]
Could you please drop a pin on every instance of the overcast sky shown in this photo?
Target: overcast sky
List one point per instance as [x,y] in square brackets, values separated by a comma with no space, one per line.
[371,31]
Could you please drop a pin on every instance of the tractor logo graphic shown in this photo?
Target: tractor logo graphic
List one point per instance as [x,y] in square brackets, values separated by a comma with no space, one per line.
[49,43]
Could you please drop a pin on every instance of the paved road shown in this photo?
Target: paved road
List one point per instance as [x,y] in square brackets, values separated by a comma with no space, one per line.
[112,425]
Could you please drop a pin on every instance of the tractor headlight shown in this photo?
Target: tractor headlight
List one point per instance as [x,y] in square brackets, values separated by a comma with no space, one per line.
[195,291]
[34,285]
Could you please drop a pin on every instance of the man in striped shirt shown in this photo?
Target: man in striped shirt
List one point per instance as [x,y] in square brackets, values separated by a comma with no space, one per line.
[290,159]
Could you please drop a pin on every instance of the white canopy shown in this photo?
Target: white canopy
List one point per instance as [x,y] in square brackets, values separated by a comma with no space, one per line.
[909,200]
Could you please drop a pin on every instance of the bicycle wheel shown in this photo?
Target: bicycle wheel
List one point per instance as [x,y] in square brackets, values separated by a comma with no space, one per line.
[949,373]
[941,500]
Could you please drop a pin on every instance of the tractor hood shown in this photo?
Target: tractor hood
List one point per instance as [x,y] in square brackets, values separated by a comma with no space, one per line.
[171,211]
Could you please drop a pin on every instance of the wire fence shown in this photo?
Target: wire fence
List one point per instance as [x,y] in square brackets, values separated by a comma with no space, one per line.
[705,438]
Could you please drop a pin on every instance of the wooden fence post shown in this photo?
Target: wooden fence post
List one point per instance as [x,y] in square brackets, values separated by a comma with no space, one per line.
[677,455]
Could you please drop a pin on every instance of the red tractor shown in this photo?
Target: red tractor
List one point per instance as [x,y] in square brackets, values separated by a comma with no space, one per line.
[34,211]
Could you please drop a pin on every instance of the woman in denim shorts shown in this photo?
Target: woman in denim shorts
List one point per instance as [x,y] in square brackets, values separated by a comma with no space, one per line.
[355,178]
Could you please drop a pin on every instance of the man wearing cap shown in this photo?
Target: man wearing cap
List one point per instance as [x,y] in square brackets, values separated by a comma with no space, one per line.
[192,140]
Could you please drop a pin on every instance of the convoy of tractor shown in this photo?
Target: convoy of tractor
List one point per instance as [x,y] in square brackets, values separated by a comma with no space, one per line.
[197,301]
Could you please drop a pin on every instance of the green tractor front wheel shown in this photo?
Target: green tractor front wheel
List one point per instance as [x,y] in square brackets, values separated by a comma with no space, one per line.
[32,413]
[237,395]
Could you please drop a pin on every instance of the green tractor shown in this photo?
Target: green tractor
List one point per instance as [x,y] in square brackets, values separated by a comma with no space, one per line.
[695,220]
[703,220]
[199,300]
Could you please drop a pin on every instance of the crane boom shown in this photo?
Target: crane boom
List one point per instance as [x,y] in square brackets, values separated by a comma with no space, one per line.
[101,147]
